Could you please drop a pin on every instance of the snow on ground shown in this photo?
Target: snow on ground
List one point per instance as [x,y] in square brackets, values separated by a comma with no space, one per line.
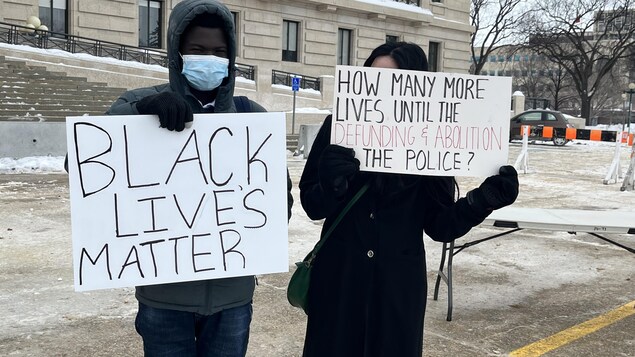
[32,164]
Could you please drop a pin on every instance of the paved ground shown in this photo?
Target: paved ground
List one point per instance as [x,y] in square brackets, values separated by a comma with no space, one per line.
[509,292]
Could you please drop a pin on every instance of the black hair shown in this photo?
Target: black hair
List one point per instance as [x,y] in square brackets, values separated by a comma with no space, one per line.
[407,55]
[410,56]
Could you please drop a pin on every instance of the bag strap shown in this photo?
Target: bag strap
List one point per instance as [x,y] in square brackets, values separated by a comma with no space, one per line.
[350,204]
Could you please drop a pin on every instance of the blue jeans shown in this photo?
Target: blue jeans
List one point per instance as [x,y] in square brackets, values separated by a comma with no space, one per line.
[181,333]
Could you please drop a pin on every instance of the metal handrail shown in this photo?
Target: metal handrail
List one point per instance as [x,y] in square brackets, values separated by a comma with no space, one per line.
[286,79]
[22,35]
[410,2]
[246,71]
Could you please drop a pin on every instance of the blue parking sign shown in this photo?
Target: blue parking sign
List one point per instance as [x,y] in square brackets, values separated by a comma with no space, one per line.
[295,83]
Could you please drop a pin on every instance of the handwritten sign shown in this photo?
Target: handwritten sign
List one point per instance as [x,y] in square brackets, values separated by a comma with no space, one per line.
[152,206]
[422,123]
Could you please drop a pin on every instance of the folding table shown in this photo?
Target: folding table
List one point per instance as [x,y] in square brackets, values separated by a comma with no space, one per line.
[595,223]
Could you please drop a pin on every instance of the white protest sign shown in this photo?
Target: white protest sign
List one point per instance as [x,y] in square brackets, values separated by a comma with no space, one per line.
[423,123]
[152,206]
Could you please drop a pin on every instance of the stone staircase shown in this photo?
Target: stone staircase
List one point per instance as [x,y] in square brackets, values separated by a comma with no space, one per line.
[292,141]
[32,93]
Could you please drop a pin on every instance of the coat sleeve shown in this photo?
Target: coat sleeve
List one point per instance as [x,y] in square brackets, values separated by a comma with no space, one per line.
[445,219]
[122,107]
[126,104]
[315,201]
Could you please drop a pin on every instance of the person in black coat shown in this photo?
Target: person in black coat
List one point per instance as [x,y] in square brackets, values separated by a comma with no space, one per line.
[368,285]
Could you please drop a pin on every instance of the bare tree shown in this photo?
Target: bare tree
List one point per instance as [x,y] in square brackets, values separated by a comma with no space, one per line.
[529,81]
[586,38]
[559,88]
[608,102]
[495,23]
[539,79]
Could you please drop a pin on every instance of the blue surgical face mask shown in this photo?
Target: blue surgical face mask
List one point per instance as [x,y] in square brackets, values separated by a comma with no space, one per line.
[205,72]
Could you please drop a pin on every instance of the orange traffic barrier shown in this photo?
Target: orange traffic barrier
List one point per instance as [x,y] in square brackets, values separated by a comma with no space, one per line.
[579,134]
[571,133]
[547,132]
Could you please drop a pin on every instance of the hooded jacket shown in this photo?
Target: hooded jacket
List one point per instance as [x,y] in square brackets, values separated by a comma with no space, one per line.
[204,296]
[181,16]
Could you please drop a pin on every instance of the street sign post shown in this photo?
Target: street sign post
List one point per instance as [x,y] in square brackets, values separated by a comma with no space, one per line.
[295,86]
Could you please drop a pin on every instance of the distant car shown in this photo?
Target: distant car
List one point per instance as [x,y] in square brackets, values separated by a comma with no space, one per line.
[539,118]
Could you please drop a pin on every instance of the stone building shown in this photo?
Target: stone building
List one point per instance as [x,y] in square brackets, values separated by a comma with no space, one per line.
[275,38]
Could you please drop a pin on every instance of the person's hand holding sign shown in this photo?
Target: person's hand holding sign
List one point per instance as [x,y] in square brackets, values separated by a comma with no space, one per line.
[336,168]
[173,111]
[496,191]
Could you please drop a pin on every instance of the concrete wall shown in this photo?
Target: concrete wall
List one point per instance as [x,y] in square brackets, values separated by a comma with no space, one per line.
[303,119]
[578,123]
[23,139]
[17,11]
[308,132]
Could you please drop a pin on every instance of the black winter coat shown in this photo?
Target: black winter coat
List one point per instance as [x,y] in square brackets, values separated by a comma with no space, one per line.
[368,289]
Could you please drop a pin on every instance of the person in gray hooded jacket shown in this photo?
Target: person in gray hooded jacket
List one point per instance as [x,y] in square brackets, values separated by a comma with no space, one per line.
[210,317]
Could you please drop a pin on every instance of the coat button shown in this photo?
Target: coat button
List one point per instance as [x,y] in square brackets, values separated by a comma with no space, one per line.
[370,254]
[372,215]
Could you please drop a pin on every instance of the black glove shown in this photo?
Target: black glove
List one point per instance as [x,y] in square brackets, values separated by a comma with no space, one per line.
[336,167]
[172,109]
[496,191]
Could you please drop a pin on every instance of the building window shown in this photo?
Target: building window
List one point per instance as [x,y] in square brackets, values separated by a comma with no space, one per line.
[344,46]
[150,23]
[290,41]
[392,38]
[53,15]
[433,56]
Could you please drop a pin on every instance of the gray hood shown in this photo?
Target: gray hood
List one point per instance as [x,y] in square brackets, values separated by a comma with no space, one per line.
[182,14]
